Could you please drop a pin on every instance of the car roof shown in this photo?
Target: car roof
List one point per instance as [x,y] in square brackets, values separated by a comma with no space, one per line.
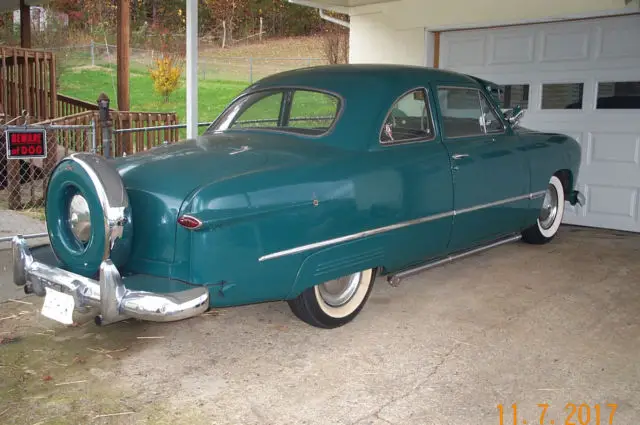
[367,90]
[336,77]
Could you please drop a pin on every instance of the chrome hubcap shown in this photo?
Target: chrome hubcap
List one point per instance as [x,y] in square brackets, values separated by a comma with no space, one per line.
[549,209]
[339,291]
[79,218]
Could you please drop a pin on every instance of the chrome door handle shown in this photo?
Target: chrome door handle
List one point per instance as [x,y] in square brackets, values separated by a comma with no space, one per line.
[459,155]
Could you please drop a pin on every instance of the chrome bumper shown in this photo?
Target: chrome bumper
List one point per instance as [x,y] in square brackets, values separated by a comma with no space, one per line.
[109,294]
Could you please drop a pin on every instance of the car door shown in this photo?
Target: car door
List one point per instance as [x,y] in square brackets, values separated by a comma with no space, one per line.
[490,174]
[417,177]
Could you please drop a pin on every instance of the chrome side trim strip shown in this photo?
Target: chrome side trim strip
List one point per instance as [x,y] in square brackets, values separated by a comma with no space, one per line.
[400,225]
[353,236]
[500,202]
[538,194]
[394,280]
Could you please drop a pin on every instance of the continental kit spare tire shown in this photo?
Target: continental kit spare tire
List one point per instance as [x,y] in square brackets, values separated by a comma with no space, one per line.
[88,214]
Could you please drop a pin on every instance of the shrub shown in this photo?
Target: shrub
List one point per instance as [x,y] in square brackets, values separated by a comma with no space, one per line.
[165,74]
[336,45]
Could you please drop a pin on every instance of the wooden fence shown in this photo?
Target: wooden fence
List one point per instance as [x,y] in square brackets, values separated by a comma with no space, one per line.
[129,142]
[27,82]
[67,105]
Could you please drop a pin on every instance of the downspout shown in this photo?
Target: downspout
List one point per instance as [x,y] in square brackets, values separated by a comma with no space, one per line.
[328,18]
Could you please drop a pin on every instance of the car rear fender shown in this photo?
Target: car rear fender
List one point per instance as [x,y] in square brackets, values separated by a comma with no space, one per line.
[337,261]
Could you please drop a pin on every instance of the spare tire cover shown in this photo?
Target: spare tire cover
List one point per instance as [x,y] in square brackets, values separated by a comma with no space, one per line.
[78,175]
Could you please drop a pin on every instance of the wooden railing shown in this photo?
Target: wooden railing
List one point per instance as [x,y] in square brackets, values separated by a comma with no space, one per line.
[143,140]
[132,142]
[27,82]
[67,105]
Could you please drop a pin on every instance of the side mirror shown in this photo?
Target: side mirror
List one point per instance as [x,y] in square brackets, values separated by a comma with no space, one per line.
[514,116]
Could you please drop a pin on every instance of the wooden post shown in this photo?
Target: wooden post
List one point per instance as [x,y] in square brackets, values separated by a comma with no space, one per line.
[25,25]
[123,54]
[224,33]
[124,20]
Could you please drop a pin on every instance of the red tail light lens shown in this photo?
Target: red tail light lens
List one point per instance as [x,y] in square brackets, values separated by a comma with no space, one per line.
[189,222]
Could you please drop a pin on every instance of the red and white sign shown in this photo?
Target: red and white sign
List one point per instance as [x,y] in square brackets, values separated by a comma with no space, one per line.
[26,143]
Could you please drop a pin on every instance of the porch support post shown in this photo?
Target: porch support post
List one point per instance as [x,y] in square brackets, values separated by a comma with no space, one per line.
[25,25]
[192,68]
[123,37]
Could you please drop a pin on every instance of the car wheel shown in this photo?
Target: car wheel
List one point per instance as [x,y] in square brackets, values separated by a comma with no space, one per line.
[336,302]
[550,216]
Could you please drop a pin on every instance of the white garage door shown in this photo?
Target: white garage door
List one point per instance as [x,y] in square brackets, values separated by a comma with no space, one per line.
[580,78]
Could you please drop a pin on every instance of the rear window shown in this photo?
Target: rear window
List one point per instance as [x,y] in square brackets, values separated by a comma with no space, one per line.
[300,111]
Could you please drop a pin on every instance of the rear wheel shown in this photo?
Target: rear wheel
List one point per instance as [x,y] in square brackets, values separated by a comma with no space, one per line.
[550,216]
[336,302]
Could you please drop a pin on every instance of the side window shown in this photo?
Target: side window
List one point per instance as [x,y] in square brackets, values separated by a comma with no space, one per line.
[492,123]
[461,111]
[263,112]
[312,110]
[408,119]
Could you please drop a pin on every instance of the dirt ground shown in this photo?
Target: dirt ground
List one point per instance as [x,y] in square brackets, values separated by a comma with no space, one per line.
[521,324]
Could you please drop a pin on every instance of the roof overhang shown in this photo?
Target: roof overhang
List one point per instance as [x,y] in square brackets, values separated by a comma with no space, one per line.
[10,5]
[340,6]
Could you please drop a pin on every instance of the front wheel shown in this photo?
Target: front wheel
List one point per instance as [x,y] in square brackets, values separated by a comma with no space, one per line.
[550,216]
[336,302]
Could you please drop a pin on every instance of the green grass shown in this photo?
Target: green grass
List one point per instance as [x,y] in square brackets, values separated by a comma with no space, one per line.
[88,83]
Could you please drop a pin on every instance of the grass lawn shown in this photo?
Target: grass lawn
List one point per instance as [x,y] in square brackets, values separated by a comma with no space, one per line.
[88,83]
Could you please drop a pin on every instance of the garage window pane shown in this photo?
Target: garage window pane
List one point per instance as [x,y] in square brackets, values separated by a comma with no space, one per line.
[461,112]
[409,119]
[619,95]
[515,95]
[562,96]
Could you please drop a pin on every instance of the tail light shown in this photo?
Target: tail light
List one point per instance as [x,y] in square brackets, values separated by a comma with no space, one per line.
[189,222]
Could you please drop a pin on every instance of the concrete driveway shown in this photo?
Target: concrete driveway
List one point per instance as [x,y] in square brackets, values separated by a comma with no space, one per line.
[521,324]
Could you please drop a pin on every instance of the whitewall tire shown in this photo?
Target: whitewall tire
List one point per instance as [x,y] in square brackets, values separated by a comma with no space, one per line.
[336,302]
[550,216]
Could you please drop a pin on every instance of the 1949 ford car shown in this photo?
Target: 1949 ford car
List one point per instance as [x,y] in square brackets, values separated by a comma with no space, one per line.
[309,184]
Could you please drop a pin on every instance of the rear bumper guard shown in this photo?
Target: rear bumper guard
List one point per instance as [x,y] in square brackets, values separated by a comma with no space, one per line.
[575,197]
[108,294]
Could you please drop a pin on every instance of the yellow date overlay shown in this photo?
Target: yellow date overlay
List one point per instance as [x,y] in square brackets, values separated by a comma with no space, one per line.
[574,414]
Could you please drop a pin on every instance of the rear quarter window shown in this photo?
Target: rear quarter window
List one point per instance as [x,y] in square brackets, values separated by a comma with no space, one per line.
[299,111]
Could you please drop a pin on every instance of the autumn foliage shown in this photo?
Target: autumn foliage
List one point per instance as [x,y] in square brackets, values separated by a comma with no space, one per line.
[165,74]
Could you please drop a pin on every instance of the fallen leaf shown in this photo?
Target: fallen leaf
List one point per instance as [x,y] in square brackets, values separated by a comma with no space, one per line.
[8,339]
[47,378]
[78,359]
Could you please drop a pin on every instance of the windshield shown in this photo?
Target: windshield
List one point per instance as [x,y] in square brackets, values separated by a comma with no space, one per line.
[293,110]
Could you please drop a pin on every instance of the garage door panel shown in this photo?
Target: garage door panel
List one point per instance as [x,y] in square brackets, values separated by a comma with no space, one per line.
[564,46]
[603,57]
[466,52]
[619,43]
[612,200]
[511,49]
[614,148]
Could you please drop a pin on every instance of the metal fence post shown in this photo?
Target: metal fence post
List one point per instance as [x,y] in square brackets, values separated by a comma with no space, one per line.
[251,70]
[93,56]
[93,136]
[105,123]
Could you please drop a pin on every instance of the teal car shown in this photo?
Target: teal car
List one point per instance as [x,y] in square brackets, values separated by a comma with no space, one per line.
[309,185]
